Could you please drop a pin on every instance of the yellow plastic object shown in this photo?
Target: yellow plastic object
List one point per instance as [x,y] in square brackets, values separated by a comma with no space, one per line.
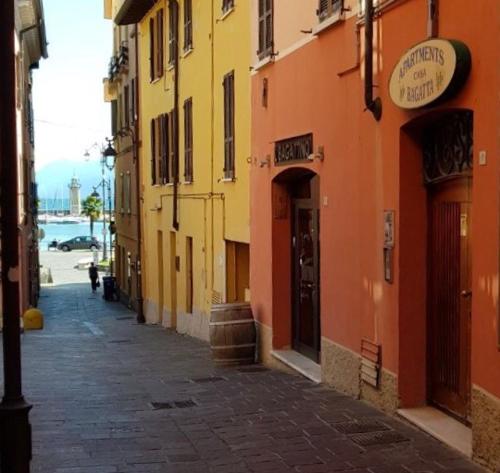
[33,319]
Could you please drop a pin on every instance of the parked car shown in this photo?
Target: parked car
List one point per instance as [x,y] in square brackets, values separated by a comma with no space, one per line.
[80,243]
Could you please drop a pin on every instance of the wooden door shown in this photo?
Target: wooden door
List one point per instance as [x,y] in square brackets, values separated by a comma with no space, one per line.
[449,296]
[306,317]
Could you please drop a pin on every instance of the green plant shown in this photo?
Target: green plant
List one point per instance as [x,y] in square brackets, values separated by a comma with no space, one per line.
[91,208]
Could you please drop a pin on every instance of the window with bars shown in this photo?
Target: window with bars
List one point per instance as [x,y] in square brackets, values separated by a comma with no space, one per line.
[328,8]
[227,5]
[188,140]
[229,149]
[266,35]
[188,25]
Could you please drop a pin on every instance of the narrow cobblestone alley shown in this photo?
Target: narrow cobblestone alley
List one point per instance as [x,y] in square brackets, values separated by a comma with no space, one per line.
[111,396]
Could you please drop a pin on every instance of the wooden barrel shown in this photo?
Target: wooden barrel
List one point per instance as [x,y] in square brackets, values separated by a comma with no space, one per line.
[232,334]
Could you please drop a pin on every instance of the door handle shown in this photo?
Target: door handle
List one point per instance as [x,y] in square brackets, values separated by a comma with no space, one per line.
[466,293]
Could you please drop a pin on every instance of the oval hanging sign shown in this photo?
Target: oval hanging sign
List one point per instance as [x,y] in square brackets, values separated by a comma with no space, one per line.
[429,72]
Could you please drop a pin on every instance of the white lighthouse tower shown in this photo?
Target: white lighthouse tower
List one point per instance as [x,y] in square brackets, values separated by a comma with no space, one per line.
[75,207]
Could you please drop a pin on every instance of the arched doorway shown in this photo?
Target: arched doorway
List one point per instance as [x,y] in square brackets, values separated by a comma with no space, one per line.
[435,261]
[447,150]
[297,189]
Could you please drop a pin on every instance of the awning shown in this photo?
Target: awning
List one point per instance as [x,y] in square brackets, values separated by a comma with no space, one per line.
[132,11]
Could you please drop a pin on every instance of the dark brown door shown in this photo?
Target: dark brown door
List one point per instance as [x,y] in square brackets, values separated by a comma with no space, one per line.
[306,320]
[449,296]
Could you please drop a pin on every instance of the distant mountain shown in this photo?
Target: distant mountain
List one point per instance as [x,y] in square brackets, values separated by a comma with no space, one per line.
[53,179]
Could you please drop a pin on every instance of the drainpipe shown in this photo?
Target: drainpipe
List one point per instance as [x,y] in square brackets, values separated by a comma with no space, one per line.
[374,105]
[15,429]
[135,147]
[432,18]
[174,5]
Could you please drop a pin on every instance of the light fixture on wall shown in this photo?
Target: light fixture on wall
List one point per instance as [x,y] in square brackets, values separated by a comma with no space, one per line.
[319,155]
[265,162]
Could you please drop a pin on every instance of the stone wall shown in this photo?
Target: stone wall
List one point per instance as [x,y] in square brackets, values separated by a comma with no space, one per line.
[485,429]
[340,368]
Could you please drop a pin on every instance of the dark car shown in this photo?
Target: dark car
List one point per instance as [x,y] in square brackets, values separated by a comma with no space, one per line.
[80,243]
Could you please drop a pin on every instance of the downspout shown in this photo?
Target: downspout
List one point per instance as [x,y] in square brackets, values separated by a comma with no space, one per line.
[175,218]
[135,146]
[432,18]
[374,105]
[212,148]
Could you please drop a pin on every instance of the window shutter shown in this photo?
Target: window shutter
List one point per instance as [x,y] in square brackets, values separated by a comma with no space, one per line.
[152,52]
[188,25]
[229,148]
[171,134]
[266,34]
[171,35]
[160,41]
[153,152]
[188,140]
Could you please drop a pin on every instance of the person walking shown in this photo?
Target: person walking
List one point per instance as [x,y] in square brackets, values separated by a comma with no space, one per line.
[94,277]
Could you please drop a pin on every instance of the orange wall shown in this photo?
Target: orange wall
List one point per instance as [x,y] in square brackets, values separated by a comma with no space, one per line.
[363,174]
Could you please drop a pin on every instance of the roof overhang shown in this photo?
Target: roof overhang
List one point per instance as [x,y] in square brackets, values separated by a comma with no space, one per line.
[132,11]
[32,27]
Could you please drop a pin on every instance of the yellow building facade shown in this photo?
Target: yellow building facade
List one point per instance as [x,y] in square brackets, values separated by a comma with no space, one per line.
[194,148]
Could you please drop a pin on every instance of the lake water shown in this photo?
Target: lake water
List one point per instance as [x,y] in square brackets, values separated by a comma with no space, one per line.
[62,232]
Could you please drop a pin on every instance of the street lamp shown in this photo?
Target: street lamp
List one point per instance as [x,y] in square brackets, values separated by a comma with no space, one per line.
[108,159]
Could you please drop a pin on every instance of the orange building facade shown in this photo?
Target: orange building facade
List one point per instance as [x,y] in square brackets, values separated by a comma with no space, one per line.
[375,239]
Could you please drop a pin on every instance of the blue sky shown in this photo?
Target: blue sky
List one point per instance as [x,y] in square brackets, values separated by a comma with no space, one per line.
[70,114]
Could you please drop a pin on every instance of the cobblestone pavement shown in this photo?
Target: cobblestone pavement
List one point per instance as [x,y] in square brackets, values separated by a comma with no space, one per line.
[111,396]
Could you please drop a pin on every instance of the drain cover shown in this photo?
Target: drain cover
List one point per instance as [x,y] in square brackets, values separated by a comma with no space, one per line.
[161,405]
[253,369]
[378,438]
[360,427]
[211,379]
[127,317]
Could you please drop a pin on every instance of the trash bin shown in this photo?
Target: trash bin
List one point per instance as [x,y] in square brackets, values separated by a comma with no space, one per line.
[108,283]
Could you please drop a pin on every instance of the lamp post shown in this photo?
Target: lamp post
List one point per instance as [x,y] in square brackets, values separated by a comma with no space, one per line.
[108,158]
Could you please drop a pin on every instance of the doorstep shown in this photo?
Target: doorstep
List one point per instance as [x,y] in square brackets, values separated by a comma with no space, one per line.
[300,363]
[441,426]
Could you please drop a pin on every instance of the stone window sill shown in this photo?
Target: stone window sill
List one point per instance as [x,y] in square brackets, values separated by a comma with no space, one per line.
[328,23]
